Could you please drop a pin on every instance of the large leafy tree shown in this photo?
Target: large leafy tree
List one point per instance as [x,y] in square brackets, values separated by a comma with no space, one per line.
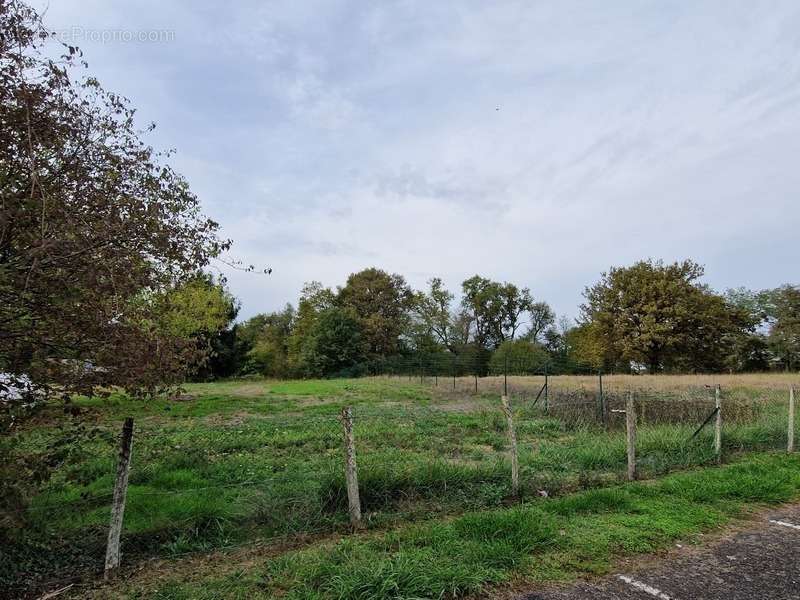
[198,308]
[314,299]
[268,353]
[202,310]
[659,315]
[334,344]
[92,220]
[435,318]
[382,303]
[495,310]
[748,349]
[542,319]
[782,306]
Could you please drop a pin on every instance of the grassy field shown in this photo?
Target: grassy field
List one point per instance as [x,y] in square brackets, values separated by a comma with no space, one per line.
[229,463]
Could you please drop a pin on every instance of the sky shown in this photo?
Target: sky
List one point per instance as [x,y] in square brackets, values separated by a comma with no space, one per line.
[533,142]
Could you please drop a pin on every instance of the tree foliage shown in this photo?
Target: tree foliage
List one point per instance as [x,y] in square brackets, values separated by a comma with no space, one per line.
[495,310]
[382,304]
[268,353]
[659,315]
[335,344]
[91,221]
[519,357]
[782,307]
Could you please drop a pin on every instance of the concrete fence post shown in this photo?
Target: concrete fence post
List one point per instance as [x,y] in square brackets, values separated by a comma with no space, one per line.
[118,502]
[351,470]
[512,442]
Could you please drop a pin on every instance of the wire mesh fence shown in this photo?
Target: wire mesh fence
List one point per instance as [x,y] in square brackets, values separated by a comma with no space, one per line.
[283,477]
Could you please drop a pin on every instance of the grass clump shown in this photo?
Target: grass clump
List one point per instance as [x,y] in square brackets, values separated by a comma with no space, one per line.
[547,540]
[235,461]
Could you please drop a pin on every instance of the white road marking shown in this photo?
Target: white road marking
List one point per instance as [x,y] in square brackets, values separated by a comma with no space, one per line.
[648,589]
[785,524]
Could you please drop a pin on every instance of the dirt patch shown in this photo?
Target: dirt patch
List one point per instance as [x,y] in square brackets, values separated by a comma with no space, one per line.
[146,577]
[250,390]
[314,401]
[230,420]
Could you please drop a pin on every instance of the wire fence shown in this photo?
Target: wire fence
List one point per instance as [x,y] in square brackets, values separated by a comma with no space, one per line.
[285,477]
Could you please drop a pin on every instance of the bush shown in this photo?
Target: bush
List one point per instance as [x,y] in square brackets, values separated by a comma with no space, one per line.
[518,357]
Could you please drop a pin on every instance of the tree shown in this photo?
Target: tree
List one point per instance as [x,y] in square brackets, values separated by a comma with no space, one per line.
[748,349]
[314,299]
[515,303]
[519,357]
[494,309]
[335,343]
[542,318]
[200,310]
[584,349]
[269,348]
[382,303]
[783,310]
[555,340]
[92,222]
[660,316]
[434,315]
[714,331]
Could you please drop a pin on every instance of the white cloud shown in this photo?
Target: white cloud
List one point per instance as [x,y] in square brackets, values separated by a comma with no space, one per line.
[534,143]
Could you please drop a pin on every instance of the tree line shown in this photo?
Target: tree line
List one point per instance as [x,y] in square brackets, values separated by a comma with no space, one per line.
[647,317]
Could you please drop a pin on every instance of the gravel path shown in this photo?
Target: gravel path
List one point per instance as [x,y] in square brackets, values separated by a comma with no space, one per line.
[760,562]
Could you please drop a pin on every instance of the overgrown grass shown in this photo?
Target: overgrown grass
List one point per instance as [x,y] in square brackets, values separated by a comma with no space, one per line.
[545,540]
[231,462]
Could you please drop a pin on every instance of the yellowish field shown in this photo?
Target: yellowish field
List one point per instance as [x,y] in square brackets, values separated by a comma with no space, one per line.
[771,382]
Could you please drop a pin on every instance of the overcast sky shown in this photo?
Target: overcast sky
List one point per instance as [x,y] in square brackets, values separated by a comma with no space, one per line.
[531,142]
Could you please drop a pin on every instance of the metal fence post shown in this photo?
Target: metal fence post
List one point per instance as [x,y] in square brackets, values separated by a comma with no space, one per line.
[630,426]
[512,442]
[602,399]
[546,388]
[505,374]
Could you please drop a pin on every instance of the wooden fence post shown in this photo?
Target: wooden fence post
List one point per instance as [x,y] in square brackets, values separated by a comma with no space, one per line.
[512,442]
[630,424]
[790,443]
[718,424]
[351,471]
[120,492]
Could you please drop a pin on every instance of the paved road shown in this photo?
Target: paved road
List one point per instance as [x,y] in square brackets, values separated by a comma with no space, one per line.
[761,562]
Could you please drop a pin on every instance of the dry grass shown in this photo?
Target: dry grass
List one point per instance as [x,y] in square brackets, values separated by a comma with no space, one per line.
[662,383]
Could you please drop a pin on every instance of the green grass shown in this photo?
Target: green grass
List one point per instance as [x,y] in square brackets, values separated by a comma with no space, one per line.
[231,462]
[545,540]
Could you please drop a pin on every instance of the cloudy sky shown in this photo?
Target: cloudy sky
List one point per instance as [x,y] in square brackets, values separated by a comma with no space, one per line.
[532,142]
